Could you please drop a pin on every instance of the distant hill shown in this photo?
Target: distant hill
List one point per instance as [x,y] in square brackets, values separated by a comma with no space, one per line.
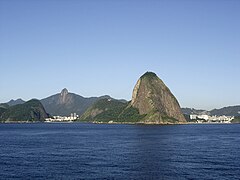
[189,111]
[15,102]
[31,111]
[152,102]
[227,111]
[65,103]
[104,110]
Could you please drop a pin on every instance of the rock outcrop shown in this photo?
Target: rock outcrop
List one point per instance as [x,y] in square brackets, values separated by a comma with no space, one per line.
[64,96]
[152,103]
[153,98]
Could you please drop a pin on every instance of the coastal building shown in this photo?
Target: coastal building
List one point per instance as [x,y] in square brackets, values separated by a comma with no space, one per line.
[72,117]
[205,117]
[193,116]
[211,119]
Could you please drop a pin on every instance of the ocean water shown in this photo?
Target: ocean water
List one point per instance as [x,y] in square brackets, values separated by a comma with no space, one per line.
[108,151]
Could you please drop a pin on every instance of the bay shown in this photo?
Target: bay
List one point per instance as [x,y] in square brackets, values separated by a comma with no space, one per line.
[111,151]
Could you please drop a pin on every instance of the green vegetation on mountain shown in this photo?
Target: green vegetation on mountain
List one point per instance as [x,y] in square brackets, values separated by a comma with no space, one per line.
[2,110]
[15,102]
[4,105]
[148,75]
[155,100]
[30,111]
[227,111]
[236,119]
[130,114]
[152,102]
[106,110]
[65,103]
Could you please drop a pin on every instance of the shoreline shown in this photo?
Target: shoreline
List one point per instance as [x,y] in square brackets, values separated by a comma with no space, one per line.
[124,123]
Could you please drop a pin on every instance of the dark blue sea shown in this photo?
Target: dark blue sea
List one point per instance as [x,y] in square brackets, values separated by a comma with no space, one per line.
[102,151]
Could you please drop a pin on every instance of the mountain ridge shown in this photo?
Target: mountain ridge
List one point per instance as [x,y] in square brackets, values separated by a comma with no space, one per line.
[65,103]
[13,102]
[227,111]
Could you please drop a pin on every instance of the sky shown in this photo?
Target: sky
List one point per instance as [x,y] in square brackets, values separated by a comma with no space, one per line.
[98,47]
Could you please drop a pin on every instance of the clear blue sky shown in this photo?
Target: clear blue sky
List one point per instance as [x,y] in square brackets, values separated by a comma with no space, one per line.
[97,47]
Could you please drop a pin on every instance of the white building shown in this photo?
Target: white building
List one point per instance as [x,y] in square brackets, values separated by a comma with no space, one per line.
[193,116]
[205,117]
[212,119]
[72,117]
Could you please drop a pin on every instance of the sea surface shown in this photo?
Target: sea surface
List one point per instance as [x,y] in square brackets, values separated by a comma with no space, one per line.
[109,151]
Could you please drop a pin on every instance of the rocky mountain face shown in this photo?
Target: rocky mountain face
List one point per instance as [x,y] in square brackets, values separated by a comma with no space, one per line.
[152,97]
[31,110]
[152,102]
[65,103]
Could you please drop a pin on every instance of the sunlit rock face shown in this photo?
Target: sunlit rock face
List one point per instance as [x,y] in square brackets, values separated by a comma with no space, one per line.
[64,95]
[151,96]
